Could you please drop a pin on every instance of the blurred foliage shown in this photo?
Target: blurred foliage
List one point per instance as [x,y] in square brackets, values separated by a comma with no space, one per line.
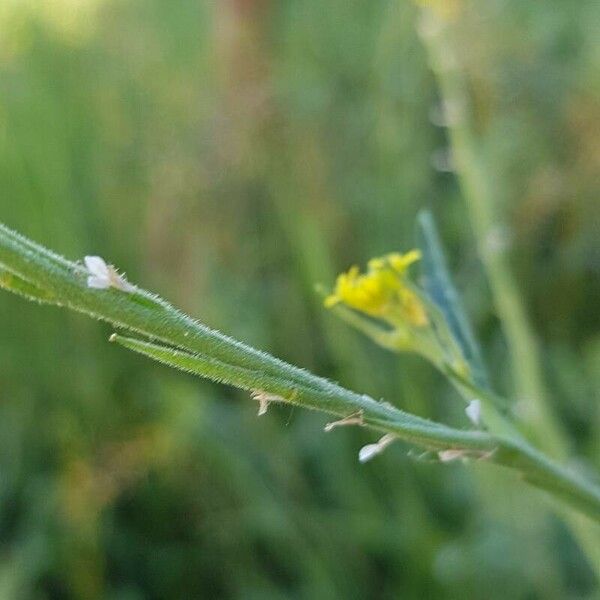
[231,155]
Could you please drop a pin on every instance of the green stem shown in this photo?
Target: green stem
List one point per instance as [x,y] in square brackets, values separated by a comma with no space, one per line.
[31,270]
[481,195]
[534,467]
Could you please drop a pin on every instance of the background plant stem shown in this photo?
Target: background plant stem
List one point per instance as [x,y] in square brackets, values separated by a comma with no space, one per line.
[482,199]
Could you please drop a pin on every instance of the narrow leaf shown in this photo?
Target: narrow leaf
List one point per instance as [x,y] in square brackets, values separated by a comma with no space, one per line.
[13,283]
[442,291]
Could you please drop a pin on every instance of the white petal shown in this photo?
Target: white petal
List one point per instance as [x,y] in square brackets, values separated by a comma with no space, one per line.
[450,455]
[473,411]
[353,419]
[96,266]
[118,281]
[263,407]
[367,452]
[98,283]
[264,399]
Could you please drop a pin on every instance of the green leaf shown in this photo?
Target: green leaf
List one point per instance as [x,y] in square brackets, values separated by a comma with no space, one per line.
[343,402]
[441,289]
[13,283]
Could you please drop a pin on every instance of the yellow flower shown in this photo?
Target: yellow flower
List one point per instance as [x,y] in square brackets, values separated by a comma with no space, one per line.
[398,262]
[413,308]
[382,291]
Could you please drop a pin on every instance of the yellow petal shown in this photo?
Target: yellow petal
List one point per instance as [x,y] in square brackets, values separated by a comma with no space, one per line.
[401,262]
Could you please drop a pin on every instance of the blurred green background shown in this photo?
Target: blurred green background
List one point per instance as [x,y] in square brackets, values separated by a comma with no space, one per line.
[230,155]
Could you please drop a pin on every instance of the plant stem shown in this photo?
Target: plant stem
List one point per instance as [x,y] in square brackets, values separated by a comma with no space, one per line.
[31,270]
[481,196]
[476,179]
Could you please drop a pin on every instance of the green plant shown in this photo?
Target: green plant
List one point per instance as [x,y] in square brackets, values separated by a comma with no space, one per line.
[482,193]
[179,341]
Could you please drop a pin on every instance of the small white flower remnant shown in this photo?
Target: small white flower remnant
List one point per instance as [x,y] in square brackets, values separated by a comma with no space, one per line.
[371,450]
[446,456]
[450,112]
[497,240]
[473,412]
[102,276]
[353,419]
[264,399]
[450,455]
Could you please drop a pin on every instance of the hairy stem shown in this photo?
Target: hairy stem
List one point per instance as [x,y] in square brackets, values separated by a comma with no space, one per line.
[36,273]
